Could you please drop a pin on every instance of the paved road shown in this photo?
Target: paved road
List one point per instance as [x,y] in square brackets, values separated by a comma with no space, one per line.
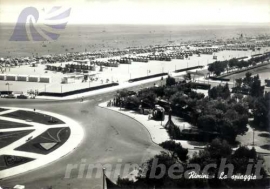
[110,138]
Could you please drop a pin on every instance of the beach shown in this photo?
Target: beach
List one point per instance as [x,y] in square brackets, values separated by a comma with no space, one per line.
[81,38]
[113,74]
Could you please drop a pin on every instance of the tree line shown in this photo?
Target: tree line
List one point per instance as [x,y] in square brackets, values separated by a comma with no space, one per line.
[219,67]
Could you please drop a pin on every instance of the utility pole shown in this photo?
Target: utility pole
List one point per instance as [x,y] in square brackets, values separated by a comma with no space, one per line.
[103,182]
[253,137]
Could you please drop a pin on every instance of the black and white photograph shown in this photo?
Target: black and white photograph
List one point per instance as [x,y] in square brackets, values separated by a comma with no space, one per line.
[134,94]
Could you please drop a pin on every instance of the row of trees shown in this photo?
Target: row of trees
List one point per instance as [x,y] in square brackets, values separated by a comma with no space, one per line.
[211,155]
[219,92]
[250,85]
[220,113]
[256,100]
[221,66]
[261,111]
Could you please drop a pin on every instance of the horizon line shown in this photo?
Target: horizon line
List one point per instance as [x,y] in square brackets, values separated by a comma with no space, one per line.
[172,24]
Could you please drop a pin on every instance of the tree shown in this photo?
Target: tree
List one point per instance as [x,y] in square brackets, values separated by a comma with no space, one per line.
[241,108]
[261,111]
[238,82]
[123,93]
[256,88]
[132,102]
[227,130]
[233,62]
[248,79]
[174,132]
[207,123]
[219,149]
[213,93]
[148,97]
[226,93]
[178,99]
[241,158]
[169,92]
[176,149]
[220,91]
[170,81]
[212,154]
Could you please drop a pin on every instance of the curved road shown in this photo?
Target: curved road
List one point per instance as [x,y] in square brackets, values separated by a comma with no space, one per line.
[110,138]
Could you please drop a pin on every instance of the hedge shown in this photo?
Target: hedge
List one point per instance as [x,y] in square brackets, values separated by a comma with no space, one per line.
[147,77]
[77,91]
[187,69]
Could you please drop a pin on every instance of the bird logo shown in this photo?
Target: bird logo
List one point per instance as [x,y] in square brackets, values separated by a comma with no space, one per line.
[35,25]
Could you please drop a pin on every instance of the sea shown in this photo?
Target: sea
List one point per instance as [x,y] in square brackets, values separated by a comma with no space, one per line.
[90,38]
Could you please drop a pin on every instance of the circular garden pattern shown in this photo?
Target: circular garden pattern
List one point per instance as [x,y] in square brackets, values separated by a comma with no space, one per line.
[33,138]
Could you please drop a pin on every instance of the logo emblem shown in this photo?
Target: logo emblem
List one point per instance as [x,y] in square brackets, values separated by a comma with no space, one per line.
[34,25]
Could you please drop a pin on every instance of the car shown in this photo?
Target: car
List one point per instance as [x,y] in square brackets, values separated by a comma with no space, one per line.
[4,95]
[10,96]
[22,96]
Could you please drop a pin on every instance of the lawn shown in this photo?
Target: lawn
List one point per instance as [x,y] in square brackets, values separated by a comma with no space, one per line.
[7,138]
[34,117]
[47,142]
[2,109]
[8,124]
[7,161]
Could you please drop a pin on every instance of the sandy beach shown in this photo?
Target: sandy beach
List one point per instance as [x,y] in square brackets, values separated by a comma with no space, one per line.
[121,74]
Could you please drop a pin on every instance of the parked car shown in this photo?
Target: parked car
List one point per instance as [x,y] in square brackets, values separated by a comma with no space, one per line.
[10,96]
[22,96]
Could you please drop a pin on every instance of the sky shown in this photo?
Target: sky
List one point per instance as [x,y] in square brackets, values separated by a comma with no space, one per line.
[146,11]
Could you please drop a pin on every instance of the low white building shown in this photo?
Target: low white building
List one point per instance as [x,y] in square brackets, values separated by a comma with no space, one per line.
[68,79]
[2,77]
[33,78]
[45,79]
[22,77]
[11,77]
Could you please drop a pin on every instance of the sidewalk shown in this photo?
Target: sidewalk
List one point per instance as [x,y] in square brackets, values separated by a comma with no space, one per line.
[156,128]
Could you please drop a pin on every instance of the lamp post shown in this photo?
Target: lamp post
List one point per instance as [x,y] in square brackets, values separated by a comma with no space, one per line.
[8,84]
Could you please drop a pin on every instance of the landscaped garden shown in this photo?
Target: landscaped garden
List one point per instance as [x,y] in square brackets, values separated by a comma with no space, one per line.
[9,124]
[7,138]
[34,117]
[7,161]
[47,142]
